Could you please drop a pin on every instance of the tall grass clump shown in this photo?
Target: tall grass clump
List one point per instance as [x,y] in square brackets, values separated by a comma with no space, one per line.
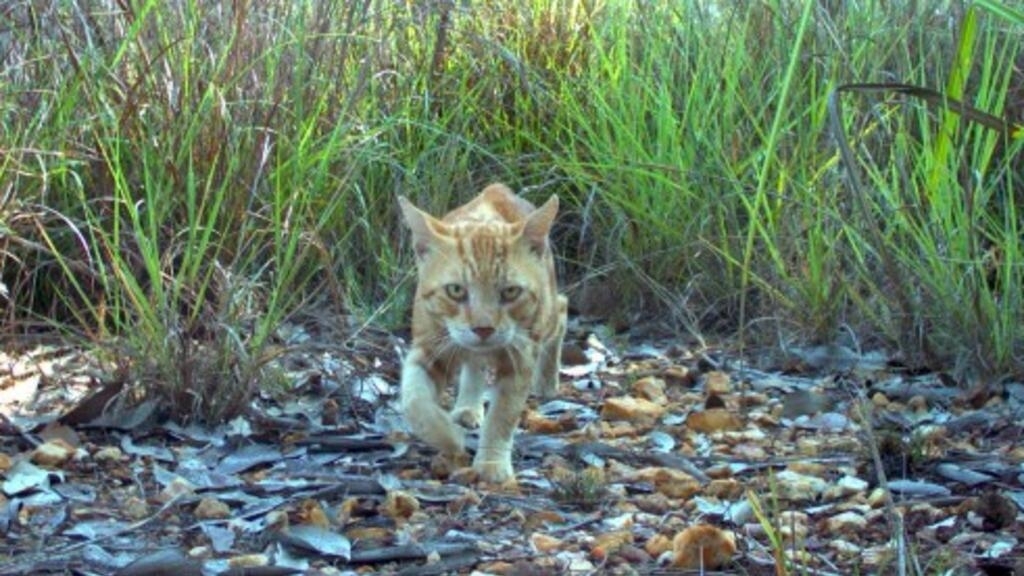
[177,180]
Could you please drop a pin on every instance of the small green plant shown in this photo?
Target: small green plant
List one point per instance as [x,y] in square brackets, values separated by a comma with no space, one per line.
[768,523]
[584,489]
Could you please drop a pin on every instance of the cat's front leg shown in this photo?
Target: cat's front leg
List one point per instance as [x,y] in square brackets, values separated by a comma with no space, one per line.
[493,460]
[423,412]
[469,403]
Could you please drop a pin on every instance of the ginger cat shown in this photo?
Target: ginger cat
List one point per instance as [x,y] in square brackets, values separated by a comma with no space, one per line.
[486,310]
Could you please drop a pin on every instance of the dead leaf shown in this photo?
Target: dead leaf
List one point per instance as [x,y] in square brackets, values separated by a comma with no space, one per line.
[544,543]
[713,420]
[703,547]
[162,562]
[400,506]
[631,409]
[609,543]
[650,388]
[316,539]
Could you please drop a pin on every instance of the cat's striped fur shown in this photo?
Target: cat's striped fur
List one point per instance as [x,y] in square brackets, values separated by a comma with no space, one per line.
[488,315]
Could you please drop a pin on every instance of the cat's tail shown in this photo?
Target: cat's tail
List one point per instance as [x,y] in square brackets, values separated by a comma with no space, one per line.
[422,410]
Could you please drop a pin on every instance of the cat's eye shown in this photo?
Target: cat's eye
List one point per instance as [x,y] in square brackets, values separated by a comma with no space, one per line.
[511,293]
[456,292]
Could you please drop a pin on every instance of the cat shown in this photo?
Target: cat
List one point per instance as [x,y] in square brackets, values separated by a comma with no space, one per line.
[487,312]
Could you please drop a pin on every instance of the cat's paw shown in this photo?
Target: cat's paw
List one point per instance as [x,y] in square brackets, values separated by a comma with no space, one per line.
[468,417]
[494,471]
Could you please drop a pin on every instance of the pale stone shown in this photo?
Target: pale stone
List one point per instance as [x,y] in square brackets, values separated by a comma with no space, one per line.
[717,382]
[176,488]
[135,508]
[845,487]
[53,453]
[795,486]
[108,454]
[846,523]
[793,525]
[249,561]
[211,509]
[844,547]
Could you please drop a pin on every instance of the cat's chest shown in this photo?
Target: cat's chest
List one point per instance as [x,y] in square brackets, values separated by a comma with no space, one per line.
[500,365]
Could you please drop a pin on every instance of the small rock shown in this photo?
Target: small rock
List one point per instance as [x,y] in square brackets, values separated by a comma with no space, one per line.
[844,487]
[5,463]
[199,552]
[717,382]
[176,488]
[808,445]
[879,400]
[135,508]
[844,547]
[249,561]
[211,509]
[877,497]
[792,485]
[108,454]
[651,388]
[793,525]
[749,451]
[53,453]
[845,523]
[631,409]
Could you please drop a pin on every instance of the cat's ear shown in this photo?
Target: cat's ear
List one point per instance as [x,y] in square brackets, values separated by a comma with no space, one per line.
[425,228]
[538,224]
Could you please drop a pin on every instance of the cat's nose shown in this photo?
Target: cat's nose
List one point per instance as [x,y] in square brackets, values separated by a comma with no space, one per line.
[483,332]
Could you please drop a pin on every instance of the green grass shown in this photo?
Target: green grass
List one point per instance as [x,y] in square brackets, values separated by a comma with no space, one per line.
[177,181]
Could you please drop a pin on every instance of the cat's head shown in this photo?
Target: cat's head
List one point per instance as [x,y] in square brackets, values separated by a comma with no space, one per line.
[486,280]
